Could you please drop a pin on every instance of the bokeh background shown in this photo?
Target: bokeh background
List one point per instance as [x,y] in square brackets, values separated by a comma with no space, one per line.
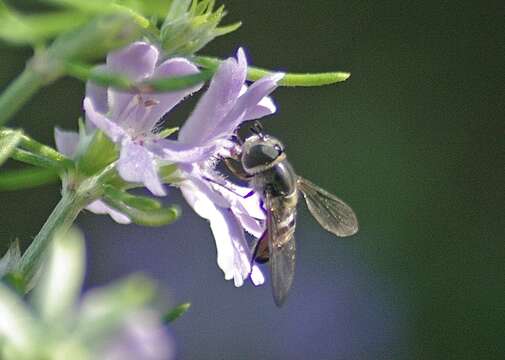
[413,141]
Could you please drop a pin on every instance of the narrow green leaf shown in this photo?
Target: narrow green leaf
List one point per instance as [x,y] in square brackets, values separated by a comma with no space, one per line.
[45,151]
[26,178]
[35,153]
[176,313]
[8,265]
[175,83]
[141,210]
[102,78]
[11,258]
[8,143]
[41,154]
[34,149]
[290,79]
[140,202]
[119,81]
[223,30]
[35,160]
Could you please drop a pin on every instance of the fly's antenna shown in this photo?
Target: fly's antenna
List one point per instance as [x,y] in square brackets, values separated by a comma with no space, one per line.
[257,129]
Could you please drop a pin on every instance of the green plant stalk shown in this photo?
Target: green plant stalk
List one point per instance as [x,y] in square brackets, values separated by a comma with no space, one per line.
[18,93]
[61,218]
[75,197]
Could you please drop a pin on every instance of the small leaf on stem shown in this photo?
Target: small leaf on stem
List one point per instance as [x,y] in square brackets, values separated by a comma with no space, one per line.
[289,79]
[140,209]
[176,312]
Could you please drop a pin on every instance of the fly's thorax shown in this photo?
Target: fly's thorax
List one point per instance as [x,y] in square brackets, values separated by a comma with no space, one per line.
[279,180]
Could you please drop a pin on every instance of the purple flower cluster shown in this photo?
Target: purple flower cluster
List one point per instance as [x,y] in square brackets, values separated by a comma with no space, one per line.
[130,120]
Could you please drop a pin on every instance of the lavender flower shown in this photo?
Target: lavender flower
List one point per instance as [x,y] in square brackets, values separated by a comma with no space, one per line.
[229,208]
[130,119]
[142,337]
[111,322]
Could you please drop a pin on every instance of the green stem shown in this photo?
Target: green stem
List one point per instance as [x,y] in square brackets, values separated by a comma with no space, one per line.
[18,93]
[74,199]
[60,219]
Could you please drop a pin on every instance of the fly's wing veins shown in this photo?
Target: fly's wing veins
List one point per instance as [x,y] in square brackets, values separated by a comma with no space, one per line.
[332,213]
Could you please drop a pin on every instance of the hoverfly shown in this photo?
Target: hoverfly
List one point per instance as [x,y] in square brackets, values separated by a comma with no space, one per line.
[262,161]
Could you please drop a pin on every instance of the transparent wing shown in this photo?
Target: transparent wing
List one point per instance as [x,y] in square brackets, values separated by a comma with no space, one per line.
[281,227]
[332,213]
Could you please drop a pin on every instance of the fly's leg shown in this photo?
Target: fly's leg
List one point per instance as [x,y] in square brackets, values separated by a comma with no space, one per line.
[227,188]
[235,167]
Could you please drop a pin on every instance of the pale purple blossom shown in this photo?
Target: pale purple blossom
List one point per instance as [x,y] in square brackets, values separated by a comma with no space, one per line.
[230,209]
[142,336]
[130,119]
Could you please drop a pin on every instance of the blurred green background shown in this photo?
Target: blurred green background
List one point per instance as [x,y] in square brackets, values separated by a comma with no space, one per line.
[413,141]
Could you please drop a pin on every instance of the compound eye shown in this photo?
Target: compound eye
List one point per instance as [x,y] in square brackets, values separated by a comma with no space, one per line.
[278,148]
[260,155]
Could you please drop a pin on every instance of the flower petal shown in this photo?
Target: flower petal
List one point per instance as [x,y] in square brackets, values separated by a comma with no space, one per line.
[257,277]
[254,227]
[60,284]
[137,164]
[141,336]
[217,101]
[167,100]
[136,61]
[244,203]
[111,129]
[176,151]
[233,253]
[249,100]
[98,94]
[265,107]
[142,111]
[66,142]
[99,207]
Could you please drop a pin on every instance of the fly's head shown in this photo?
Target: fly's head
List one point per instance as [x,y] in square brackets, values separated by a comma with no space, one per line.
[261,152]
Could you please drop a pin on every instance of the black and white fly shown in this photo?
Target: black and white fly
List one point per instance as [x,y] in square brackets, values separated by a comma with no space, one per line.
[263,163]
